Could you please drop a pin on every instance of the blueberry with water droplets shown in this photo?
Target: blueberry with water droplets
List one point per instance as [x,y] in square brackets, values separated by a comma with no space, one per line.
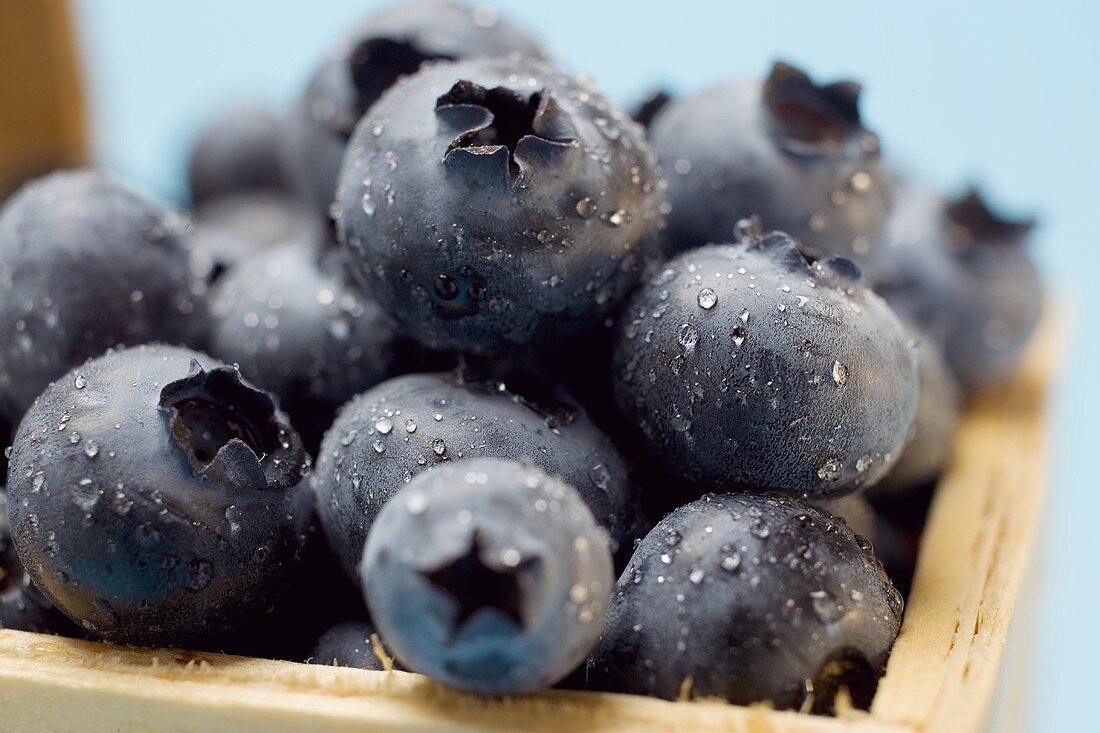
[750,366]
[791,151]
[546,203]
[86,264]
[488,575]
[932,435]
[22,605]
[382,49]
[749,597]
[296,329]
[409,424]
[237,152]
[353,644]
[962,275]
[156,498]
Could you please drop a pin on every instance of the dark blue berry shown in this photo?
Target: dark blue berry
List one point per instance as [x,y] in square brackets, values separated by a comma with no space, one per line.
[155,497]
[747,365]
[353,644]
[296,330]
[385,47]
[933,431]
[488,575]
[85,265]
[749,597]
[791,151]
[962,275]
[409,424]
[22,605]
[237,152]
[544,204]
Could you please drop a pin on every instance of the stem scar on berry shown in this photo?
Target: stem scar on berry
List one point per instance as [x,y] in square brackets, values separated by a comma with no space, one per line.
[504,125]
[477,582]
[812,118]
[213,414]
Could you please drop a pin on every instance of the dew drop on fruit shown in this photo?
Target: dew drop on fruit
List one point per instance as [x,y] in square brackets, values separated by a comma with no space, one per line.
[439,447]
[586,208]
[384,425]
[80,382]
[707,298]
[840,373]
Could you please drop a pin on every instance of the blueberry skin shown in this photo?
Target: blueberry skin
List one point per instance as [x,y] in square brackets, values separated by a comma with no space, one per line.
[932,435]
[22,605]
[385,47]
[85,265]
[237,152]
[746,366]
[238,227]
[749,595]
[348,644]
[138,503]
[546,203]
[488,575]
[791,151]
[296,330]
[412,423]
[962,275]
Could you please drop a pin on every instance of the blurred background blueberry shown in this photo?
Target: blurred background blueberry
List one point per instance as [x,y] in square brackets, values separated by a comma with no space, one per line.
[1003,92]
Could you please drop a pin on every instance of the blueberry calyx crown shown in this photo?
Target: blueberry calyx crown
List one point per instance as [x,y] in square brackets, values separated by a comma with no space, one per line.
[375,65]
[479,583]
[835,271]
[502,133]
[973,221]
[809,117]
[230,430]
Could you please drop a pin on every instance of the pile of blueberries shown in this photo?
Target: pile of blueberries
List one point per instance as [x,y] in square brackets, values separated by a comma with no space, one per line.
[531,343]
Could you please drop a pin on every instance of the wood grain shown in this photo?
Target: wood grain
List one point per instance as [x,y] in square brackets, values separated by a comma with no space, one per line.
[42,122]
[941,676]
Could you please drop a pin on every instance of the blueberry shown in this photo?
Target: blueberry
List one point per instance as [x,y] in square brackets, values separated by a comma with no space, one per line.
[237,152]
[22,605]
[747,365]
[237,227]
[646,110]
[406,425]
[793,152]
[86,264]
[488,575]
[385,47]
[156,498]
[296,330]
[749,597]
[545,204]
[352,644]
[962,275]
[933,431]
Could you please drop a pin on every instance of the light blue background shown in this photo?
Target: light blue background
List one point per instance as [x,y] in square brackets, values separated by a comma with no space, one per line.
[1006,93]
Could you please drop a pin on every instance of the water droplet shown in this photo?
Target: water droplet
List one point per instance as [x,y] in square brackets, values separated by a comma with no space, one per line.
[617,218]
[864,462]
[739,334]
[731,562]
[80,382]
[840,373]
[410,426]
[687,336]
[707,298]
[826,608]
[384,425]
[696,575]
[91,449]
[439,447]
[586,208]
[830,470]
[379,446]
[599,476]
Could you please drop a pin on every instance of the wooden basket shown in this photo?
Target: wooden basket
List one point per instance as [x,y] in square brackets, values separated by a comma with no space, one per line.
[941,676]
